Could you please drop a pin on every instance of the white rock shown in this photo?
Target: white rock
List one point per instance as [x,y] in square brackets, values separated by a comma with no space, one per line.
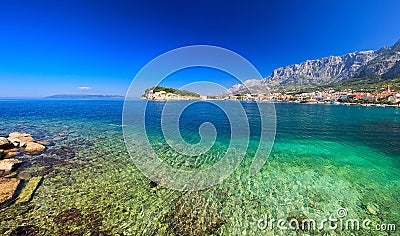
[8,165]
[19,138]
[7,188]
[4,143]
[33,147]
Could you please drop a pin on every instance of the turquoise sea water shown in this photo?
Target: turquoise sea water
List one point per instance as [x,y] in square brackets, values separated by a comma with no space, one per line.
[325,157]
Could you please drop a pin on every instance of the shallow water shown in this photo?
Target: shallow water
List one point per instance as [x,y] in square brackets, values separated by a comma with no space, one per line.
[324,158]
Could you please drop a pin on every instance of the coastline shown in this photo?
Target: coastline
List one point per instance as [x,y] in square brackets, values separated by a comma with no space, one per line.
[287,102]
[343,104]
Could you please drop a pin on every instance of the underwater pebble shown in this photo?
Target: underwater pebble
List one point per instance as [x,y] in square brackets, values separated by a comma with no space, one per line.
[372,209]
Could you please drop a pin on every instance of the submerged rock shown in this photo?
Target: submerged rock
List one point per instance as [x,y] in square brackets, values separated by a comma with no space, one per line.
[33,148]
[63,152]
[8,186]
[193,214]
[8,165]
[93,220]
[43,143]
[68,217]
[26,230]
[29,189]
[153,184]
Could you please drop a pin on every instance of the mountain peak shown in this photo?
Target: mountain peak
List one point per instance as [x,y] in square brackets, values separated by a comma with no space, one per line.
[382,63]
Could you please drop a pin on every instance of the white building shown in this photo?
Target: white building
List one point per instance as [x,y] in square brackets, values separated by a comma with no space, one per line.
[394,98]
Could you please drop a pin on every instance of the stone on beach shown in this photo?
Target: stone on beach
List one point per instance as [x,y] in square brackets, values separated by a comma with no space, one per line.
[5,143]
[8,186]
[18,135]
[10,152]
[14,142]
[19,138]
[9,147]
[29,189]
[8,165]
[26,142]
[33,148]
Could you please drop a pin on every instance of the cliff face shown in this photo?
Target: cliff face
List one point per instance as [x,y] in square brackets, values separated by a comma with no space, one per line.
[384,63]
[325,70]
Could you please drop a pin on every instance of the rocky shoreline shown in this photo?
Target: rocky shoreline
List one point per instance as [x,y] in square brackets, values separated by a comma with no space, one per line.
[12,188]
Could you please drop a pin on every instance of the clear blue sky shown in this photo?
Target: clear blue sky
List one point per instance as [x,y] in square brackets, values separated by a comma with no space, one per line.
[51,47]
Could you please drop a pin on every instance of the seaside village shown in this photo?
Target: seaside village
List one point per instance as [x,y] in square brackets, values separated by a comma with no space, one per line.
[346,96]
[330,96]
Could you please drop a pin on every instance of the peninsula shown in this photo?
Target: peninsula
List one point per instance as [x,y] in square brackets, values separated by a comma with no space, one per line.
[163,94]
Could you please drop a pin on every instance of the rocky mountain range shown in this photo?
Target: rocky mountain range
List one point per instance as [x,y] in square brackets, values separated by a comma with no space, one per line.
[382,64]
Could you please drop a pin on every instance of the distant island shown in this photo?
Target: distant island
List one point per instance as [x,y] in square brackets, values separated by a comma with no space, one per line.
[84,97]
[163,93]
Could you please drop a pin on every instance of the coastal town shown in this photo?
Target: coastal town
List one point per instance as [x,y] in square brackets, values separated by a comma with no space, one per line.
[326,96]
